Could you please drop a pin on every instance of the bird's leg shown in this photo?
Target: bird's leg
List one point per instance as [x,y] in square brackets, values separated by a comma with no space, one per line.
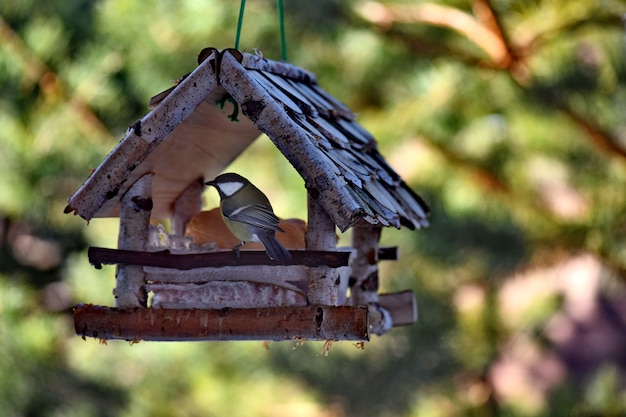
[236,249]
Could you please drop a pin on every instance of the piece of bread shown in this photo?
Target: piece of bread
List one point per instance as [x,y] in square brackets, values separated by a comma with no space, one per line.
[208,226]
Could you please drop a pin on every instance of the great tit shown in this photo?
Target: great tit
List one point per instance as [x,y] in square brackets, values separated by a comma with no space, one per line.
[248,214]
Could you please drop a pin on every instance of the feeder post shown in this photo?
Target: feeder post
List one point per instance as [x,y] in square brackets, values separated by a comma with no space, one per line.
[323,288]
[364,278]
[135,209]
[364,265]
[188,204]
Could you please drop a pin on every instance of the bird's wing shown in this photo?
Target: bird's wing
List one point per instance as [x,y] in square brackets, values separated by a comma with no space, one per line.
[256,215]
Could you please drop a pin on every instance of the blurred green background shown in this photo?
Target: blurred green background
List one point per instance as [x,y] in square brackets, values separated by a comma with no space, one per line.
[507,116]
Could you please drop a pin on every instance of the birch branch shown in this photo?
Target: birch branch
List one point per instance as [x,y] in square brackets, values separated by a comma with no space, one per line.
[165,259]
[273,323]
[136,206]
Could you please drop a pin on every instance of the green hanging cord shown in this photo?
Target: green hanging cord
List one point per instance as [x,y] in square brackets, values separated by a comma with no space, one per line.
[281,21]
[242,7]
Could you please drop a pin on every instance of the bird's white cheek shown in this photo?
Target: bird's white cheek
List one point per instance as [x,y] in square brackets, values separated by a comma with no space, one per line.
[230,188]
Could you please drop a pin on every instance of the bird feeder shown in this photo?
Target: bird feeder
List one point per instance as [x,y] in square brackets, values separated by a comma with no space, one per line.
[170,287]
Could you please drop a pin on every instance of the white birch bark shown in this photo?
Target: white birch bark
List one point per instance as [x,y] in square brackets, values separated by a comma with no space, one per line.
[136,206]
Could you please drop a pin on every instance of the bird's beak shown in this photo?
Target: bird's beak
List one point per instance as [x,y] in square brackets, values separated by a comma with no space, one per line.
[210,183]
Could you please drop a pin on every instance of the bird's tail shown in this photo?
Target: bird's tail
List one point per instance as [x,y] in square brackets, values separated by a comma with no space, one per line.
[273,247]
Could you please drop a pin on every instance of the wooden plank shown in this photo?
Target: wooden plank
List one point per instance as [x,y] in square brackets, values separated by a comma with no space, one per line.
[330,131]
[278,95]
[272,323]
[323,107]
[339,109]
[318,138]
[294,277]
[291,90]
[165,259]
[361,136]
[225,294]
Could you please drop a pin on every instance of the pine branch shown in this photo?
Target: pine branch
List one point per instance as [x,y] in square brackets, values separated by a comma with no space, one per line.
[36,71]
[598,137]
[438,15]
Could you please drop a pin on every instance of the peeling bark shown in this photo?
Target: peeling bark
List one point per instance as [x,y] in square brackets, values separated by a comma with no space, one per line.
[276,323]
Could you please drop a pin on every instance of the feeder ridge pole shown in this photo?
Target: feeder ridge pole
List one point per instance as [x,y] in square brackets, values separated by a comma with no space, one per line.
[135,210]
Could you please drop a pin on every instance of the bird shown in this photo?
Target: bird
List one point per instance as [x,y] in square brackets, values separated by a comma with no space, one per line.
[248,214]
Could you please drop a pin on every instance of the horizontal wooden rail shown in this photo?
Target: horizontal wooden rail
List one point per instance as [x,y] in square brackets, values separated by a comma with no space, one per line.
[387,253]
[273,323]
[166,259]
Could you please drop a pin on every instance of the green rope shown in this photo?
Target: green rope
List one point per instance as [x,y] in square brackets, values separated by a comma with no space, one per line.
[242,7]
[281,21]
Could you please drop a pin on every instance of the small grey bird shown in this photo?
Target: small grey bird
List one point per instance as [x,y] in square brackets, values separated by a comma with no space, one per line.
[248,214]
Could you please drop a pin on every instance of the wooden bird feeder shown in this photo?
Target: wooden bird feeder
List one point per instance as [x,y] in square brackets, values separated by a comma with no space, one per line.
[170,287]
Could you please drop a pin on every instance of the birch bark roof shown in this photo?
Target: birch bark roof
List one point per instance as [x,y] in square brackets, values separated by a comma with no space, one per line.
[187,137]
